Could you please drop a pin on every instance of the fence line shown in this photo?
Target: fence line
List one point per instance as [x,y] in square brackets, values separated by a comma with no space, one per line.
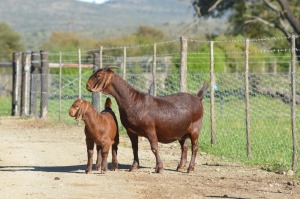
[249,88]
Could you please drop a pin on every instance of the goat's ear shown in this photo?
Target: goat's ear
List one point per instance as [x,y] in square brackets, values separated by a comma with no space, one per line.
[80,110]
[111,67]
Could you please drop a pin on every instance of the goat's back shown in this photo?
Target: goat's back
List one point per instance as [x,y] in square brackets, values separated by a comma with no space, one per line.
[170,116]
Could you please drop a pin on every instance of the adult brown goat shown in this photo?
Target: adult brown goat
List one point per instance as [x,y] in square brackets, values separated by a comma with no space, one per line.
[159,119]
[101,129]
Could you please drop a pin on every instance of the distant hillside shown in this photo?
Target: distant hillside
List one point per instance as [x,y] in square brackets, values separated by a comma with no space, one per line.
[36,19]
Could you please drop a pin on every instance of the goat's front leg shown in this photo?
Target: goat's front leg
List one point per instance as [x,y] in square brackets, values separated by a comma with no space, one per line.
[104,152]
[183,159]
[90,151]
[99,158]
[154,147]
[134,142]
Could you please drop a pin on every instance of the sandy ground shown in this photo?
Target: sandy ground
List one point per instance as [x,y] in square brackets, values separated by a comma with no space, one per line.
[38,160]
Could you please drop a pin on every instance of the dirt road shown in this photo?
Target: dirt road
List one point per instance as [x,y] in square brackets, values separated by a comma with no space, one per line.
[38,160]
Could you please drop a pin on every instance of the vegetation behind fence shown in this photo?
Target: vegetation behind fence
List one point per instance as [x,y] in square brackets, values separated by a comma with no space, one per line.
[256,80]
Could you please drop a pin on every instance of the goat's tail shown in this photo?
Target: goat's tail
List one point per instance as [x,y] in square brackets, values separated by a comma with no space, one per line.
[201,93]
[108,103]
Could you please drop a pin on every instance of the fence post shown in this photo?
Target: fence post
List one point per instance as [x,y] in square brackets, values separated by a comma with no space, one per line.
[247,111]
[60,82]
[124,63]
[154,70]
[183,63]
[212,93]
[95,95]
[16,79]
[293,108]
[100,66]
[79,74]
[25,84]
[44,83]
[34,81]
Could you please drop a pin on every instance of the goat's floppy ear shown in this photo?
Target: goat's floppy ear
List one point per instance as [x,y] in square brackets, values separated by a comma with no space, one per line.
[80,111]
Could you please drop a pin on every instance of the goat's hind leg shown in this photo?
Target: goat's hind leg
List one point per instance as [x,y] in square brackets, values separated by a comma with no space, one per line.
[114,152]
[194,141]
[183,159]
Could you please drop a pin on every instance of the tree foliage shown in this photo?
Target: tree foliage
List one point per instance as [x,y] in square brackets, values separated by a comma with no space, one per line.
[256,18]
[247,17]
[10,41]
[67,41]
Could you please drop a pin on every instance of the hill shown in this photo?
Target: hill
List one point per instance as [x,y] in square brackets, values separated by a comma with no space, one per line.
[36,19]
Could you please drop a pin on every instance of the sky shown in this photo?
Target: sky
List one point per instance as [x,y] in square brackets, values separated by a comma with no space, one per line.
[94,1]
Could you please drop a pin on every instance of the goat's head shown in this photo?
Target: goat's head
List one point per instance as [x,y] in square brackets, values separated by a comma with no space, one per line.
[78,108]
[99,81]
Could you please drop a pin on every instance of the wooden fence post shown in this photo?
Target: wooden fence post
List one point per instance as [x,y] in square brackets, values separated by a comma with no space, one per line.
[95,95]
[35,63]
[25,84]
[44,83]
[124,63]
[16,83]
[154,70]
[212,93]
[247,108]
[183,63]
[293,107]
[60,87]
[79,74]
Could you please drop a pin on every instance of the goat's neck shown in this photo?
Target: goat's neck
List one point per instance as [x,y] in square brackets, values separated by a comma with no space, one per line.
[122,91]
[90,116]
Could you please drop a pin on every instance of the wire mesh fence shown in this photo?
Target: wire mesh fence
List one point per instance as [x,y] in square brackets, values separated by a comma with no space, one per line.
[270,93]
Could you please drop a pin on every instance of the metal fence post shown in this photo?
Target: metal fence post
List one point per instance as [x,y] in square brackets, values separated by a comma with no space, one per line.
[154,70]
[293,107]
[124,63]
[212,93]
[247,107]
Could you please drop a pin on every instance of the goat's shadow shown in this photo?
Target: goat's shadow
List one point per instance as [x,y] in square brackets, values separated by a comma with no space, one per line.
[59,169]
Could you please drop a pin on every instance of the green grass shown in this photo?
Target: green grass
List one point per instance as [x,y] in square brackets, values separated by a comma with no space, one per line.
[270,133]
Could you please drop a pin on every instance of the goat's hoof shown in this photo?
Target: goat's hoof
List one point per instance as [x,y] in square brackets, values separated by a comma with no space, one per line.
[159,170]
[180,168]
[98,168]
[88,171]
[103,171]
[133,169]
[190,169]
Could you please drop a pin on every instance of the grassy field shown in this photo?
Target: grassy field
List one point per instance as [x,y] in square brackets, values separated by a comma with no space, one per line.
[270,121]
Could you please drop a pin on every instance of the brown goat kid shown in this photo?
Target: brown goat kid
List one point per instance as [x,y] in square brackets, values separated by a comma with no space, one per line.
[159,119]
[100,129]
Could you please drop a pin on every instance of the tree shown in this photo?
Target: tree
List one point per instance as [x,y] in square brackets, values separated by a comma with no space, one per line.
[254,18]
[10,41]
